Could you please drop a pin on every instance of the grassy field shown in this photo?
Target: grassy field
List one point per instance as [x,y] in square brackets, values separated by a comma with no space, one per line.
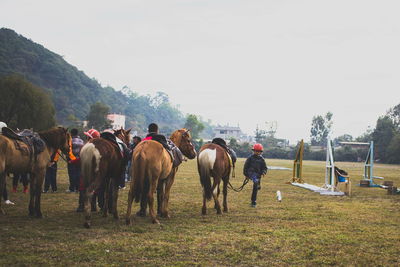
[304,229]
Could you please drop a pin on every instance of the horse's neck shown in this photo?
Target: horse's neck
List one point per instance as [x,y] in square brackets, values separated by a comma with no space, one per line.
[176,140]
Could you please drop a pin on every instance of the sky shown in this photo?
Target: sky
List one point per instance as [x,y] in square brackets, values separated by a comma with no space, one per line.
[236,62]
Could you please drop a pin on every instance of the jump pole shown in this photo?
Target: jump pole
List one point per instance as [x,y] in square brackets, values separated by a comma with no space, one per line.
[368,177]
[328,188]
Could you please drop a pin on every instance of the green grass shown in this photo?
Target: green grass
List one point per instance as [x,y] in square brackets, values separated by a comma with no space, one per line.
[304,229]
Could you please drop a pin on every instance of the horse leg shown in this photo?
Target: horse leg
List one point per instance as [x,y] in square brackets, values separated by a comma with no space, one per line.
[169,182]
[160,196]
[143,206]
[106,197]
[38,188]
[129,208]
[204,208]
[88,215]
[150,199]
[32,194]
[215,189]
[225,193]
[218,192]
[115,200]
[2,187]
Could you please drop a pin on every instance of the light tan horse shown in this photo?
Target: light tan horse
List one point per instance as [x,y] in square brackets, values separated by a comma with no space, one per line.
[152,166]
[17,161]
[214,161]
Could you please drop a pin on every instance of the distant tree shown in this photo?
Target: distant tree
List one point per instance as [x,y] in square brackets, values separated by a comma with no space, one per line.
[393,150]
[365,137]
[382,136]
[194,125]
[320,129]
[394,115]
[24,105]
[97,117]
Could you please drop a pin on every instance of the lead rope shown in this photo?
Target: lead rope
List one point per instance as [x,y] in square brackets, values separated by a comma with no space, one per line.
[245,181]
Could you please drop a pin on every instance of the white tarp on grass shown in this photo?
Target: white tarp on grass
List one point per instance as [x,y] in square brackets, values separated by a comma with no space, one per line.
[321,190]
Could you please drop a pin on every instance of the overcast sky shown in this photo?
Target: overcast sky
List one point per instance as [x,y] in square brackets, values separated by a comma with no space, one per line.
[241,62]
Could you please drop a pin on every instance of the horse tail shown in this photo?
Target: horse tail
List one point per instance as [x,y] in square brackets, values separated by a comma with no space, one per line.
[138,175]
[90,161]
[206,162]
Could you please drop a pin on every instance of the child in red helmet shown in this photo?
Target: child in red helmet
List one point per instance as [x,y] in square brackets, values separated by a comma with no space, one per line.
[254,168]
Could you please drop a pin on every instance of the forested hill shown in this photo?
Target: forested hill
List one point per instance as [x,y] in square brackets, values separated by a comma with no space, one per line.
[73,92]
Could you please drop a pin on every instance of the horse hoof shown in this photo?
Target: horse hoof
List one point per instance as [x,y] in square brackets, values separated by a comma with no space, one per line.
[225,209]
[155,221]
[39,216]
[203,212]
[86,225]
[128,221]
[165,215]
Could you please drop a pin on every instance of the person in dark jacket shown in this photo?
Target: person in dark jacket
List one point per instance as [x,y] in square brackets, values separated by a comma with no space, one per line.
[254,168]
[154,135]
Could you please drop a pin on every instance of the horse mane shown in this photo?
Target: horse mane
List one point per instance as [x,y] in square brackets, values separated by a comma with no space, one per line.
[53,137]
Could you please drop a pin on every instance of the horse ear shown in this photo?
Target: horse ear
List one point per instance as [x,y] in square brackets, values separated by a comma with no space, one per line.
[128,131]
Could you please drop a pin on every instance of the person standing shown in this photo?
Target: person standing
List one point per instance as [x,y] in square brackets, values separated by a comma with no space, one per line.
[51,173]
[74,166]
[254,168]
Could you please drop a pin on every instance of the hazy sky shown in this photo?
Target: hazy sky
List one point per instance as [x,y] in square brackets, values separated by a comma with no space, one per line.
[238,62]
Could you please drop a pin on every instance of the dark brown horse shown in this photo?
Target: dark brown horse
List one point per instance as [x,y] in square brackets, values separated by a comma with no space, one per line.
[214,161]
[151,167]
[13,160]
[102,165]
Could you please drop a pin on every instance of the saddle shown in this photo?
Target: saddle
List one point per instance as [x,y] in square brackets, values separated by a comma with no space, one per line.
[125,153]
[32,140]
[175,153]
[221,142]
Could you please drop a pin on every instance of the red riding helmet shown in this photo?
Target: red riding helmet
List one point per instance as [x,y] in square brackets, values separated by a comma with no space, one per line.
[92,133]
[258,147]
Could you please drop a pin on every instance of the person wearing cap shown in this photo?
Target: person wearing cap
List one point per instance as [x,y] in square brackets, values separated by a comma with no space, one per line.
[92,133]
[254,168]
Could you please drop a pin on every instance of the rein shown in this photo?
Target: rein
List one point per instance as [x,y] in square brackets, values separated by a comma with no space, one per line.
[245,181]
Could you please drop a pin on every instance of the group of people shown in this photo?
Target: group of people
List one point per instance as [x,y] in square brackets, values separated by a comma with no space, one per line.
[254,168]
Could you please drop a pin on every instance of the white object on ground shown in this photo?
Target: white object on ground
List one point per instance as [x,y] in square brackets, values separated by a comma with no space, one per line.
[321,190]
[278,168]
[279,196]
[8,202]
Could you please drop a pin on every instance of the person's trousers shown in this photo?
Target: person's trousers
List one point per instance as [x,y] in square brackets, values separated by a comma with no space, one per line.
[74,172]
[51,178]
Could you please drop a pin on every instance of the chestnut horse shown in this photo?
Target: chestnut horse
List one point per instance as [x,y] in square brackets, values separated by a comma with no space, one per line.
[151,167]
[214,161]
[103,166]
[19,161]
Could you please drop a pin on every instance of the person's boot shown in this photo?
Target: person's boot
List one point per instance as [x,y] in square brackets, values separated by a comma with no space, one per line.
[26,190]
[81,204]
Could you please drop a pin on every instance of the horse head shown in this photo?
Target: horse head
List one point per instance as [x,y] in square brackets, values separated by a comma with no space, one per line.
[183,139]
[57,138]
[123,135]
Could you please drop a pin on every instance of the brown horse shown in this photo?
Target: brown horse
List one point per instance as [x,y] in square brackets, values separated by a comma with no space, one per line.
[151,166]
[14,160]
[214,161]
[102,165]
